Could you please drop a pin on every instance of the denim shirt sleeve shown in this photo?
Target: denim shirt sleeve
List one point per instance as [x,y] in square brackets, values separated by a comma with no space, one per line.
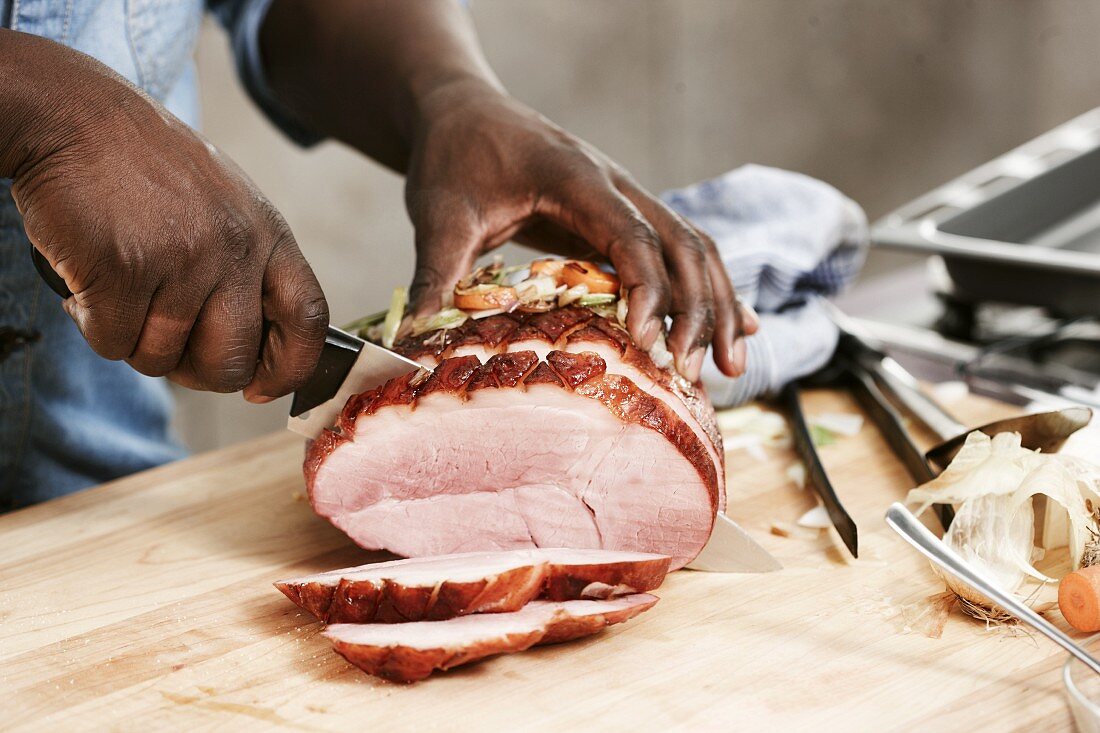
[243,19]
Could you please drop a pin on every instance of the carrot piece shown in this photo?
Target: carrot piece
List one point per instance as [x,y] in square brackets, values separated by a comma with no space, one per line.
[580,272]
[485,297]
[549,268]
[1079,598]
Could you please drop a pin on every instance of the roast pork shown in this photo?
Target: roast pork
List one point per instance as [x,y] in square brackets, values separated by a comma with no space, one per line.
[412,651]
[524,430]
[436,588]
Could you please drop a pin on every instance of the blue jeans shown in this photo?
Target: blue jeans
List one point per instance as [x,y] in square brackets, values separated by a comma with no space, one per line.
[68,418]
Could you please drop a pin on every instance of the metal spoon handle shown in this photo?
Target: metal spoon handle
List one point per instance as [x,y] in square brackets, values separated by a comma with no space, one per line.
[902,521]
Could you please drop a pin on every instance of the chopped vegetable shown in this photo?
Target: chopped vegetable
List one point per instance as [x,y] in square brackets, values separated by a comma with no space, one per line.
[538,294]
[491,274]
[1079,599]
[793,531]
[992,482]
[822,436]
[748,426]
[549,267]
[605,310]
[621,311]
[847,424]
[398,301]
[538,287]
[579,272]
[478,315]
[444,319]
[485,296]
[596,299]
[796,473]
[572,295]
[659,352]
[816,518]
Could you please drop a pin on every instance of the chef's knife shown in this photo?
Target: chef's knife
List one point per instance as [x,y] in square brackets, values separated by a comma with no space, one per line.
[348,365]
[733,550]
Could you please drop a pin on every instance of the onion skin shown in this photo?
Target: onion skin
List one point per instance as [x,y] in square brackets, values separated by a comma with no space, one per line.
[579,272]
[1079,598]
[482,299]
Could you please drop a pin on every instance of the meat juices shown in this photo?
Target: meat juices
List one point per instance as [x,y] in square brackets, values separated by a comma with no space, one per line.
[577,440]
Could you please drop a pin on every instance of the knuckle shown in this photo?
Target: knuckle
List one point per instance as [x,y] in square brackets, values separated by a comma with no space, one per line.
[310,313]
[636,234]
[693,245]
[235,234]
[277,228]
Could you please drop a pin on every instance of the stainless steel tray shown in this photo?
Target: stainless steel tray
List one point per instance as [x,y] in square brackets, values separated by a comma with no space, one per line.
[1023,228]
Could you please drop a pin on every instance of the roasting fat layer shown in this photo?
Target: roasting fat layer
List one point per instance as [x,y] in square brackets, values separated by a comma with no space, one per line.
[516,452]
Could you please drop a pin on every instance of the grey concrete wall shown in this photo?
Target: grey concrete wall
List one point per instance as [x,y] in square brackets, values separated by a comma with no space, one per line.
[882,98]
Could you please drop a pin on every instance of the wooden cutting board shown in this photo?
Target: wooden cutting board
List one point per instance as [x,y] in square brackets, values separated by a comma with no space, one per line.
[147,604]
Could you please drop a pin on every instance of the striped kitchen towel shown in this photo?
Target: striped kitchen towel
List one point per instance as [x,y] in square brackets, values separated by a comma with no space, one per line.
[787,241]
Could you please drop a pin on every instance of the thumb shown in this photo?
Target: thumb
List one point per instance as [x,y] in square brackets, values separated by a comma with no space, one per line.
[446,249]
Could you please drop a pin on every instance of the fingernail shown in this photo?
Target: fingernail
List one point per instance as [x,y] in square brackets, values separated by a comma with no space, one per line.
[750,318]
[738,355]
[650,331]
[693,365]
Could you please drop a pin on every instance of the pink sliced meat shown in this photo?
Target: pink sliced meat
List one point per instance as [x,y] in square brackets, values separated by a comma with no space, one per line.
[412,651]
[522,451]
[436,588]
[576,329]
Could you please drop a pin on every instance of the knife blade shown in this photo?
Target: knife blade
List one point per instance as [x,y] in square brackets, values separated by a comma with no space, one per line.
[733,550]
[348,365]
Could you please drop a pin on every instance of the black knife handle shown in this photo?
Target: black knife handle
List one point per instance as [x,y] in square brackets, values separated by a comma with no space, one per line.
[55,281]
[338,355]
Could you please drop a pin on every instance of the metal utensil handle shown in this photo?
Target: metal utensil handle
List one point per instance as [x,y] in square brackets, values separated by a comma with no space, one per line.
[815,470]
[902,521]
[903,386]
[890,424]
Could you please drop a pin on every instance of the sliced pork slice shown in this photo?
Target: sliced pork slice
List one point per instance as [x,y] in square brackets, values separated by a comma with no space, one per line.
[436,588]
[576,329]
[514,453]
[412,651]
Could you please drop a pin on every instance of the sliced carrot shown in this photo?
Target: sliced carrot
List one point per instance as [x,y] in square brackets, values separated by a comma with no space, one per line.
[550,268]
[579,272]
[485,297]
[1079,598]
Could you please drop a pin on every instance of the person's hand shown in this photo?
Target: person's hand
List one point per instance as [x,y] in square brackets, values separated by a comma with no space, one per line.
[176,262]
[486,169]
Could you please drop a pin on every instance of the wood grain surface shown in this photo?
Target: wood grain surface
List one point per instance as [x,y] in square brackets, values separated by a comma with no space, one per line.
[146,604]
